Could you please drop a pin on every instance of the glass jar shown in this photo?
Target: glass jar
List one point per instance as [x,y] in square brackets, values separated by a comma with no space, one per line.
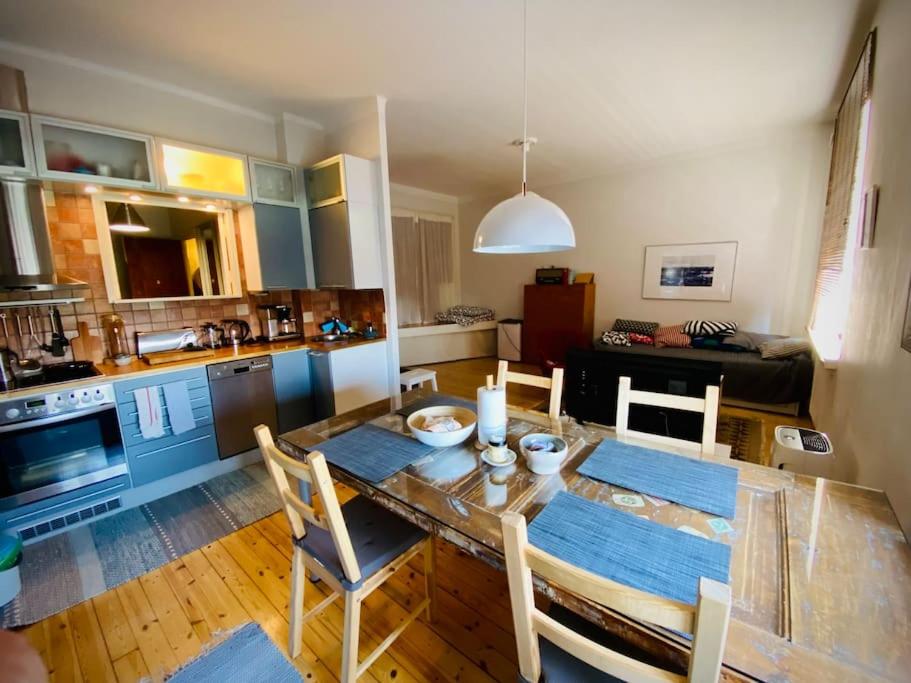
[116,334]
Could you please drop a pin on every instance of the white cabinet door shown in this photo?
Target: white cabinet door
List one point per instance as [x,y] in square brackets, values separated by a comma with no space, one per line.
[359,376]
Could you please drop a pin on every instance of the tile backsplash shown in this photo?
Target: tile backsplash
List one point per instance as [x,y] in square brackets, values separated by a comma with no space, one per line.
[76,254]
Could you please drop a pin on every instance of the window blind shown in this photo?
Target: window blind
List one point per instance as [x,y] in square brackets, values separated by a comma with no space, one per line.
[841,217]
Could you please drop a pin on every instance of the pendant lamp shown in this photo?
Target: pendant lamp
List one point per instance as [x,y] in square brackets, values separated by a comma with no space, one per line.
[526,223]
[127,219]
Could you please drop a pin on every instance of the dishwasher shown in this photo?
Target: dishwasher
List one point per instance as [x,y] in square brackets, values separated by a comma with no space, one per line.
[243,396]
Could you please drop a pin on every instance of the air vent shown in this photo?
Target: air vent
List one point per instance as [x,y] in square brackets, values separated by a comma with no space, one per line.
[43,528]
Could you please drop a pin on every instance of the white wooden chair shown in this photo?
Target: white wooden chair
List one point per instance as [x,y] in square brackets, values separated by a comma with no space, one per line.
[576,650]
[354,548]
[708,406]
[553,384]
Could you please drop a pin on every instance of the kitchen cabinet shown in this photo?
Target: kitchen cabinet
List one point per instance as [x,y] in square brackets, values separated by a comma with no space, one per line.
[153,459]
[203,171]
[293,389]
[275,241]
[17,156]
[82,152]
[342,178]
[273,183]
[346,246]
[348,378]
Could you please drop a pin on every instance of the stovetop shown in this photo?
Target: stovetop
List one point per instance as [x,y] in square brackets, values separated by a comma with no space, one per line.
[55,373]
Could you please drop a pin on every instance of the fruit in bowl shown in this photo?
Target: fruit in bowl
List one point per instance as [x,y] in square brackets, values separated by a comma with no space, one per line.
[544,453]
[442,426]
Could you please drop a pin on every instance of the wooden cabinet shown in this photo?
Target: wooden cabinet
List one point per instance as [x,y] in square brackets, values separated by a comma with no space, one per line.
[273,183]
[348,378]
[293,389]
[81,152]
[153,459]
[557,318]
[203,171]
[274,242]
[16,153]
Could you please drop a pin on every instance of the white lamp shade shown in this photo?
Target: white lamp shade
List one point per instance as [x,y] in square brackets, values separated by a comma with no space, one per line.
[524,224]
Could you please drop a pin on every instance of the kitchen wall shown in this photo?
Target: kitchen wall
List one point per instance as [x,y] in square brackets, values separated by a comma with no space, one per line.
[767,194]
[76,253]
[864,403]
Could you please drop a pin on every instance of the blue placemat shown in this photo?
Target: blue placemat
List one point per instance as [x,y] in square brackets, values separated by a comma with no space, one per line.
[372,453]
[695,483]
[436,400]
[627,549]
[247,655]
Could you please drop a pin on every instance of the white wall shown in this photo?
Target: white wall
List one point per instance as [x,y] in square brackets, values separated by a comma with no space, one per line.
[864,404]
[767,194]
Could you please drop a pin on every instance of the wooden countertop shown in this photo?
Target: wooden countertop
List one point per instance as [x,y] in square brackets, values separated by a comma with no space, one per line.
[110,371]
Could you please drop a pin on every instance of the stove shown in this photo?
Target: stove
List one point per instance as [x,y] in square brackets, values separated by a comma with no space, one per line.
[55,373]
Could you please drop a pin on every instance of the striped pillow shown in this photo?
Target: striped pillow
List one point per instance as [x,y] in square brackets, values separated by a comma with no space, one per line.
[709,328]
[783,348]
[673,336]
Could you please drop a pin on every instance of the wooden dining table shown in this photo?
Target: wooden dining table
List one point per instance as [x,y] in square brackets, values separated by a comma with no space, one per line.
[820,570]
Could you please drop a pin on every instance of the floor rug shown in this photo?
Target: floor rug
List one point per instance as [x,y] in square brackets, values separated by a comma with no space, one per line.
[245,655]
[71,567]
[743,435]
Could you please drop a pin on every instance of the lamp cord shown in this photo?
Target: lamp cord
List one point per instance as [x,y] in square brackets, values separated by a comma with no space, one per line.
[524,95]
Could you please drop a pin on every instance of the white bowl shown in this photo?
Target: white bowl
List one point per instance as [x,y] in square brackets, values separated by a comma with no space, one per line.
[541,461]
[442,439]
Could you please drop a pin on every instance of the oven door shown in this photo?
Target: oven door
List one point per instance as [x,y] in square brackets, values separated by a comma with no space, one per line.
[52,455]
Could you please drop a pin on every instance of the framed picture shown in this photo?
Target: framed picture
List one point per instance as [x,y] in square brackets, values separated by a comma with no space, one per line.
[906,331]
[696,272]
[870,203]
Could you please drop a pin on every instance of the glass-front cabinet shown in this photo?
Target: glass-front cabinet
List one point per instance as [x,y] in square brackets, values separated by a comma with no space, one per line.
[203,171]
[273,183]
[81,152]
[16,154]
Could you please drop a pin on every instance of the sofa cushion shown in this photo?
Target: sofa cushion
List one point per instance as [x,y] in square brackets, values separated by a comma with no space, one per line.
[637,326]
[636,338]
[710,328]
[783,348]
[616,338]
[741,341]
[673,336]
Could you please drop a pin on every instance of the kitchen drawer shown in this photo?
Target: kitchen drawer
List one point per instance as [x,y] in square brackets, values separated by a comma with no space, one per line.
[191,449]
[195,378]
[132,436]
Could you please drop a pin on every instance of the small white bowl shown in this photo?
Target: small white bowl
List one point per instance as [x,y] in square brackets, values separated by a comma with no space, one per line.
[541,461]
[442,439]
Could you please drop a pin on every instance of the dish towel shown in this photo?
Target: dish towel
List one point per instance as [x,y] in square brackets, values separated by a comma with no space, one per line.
[180,412]
[148,408]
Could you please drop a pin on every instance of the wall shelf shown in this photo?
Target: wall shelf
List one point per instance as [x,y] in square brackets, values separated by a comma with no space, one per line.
[41,302]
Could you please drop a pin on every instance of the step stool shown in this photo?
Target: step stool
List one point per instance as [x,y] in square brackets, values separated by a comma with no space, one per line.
[416,377]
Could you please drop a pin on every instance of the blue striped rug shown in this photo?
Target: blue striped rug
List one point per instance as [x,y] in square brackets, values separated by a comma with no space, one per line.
[71,567]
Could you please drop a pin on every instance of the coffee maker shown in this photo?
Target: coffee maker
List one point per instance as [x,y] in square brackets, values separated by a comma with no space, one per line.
[277,321]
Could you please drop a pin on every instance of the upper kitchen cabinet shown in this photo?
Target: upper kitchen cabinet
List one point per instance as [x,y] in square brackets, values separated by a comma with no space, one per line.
[273,183]
[81,152]
[203,171]
[16,153]
[342,178]
[344,223]
[274,240]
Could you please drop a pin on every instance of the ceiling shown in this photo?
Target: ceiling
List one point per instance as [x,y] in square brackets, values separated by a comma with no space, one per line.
[612,83]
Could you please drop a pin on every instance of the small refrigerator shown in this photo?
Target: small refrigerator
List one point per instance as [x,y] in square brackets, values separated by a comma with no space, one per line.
[509,339]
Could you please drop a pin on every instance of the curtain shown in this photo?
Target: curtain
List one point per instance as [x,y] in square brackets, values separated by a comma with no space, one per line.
[409,269]
[439,269]
[842,212]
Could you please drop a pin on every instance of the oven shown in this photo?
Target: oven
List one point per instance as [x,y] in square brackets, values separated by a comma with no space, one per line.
[58,442]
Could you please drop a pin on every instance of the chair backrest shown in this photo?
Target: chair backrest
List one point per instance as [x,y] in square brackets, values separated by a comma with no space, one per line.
[708,406]
[554,384]
[707,621]
[316,473]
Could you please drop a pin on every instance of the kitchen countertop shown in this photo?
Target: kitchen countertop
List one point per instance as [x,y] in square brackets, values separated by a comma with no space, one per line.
[137,367]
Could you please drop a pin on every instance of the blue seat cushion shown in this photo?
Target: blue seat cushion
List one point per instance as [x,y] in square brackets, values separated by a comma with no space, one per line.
[377,535]
[558,666]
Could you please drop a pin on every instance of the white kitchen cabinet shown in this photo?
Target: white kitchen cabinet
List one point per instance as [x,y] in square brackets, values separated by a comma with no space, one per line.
[342,178]
[203,171]
[348,378]
[16,153]
[85,153]
[274,183]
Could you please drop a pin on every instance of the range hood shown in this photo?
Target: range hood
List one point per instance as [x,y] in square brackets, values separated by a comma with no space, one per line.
[26,257]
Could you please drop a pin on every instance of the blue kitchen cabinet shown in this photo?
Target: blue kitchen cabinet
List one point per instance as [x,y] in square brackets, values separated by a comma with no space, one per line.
[293,389]
[153,459]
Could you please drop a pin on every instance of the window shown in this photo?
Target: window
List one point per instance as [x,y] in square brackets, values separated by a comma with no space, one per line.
[426,269]
[838,244]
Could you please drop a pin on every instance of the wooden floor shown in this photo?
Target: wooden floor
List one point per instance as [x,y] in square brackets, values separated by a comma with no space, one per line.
[151,625]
